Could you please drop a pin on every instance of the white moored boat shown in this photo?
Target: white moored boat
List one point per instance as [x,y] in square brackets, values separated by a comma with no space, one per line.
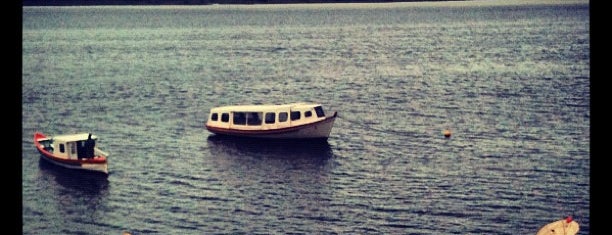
[283,121]
[74,151]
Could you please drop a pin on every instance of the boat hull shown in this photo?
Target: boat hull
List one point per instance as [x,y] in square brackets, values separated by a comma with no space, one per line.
[317,130]
[94,167]
[561,227]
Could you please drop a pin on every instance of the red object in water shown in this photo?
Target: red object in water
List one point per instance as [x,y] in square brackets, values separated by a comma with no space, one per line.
[568,219]
[447,133]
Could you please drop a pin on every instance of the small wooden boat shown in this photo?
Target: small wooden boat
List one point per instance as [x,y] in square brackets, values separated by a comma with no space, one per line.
[565,226]
[74,151]
[284,121]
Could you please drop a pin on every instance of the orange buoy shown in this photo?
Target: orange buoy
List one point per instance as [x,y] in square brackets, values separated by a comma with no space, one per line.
[447,133]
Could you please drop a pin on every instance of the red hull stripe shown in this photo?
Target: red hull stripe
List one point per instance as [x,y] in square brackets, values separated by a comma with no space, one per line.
[99,160]
[62,162]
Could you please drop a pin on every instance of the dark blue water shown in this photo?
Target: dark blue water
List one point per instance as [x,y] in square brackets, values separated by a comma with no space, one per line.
[510,80]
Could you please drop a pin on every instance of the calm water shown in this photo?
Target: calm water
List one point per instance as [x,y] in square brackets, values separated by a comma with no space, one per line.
[511,81]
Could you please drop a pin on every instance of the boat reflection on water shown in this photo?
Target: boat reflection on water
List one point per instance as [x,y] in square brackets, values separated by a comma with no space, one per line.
[270,148]
[83,194]
[79,182]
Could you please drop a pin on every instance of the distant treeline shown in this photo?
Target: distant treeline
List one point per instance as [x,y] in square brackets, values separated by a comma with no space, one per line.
[187,2]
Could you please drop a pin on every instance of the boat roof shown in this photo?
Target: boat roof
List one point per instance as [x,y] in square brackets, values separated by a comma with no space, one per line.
[262,107]
[73,137]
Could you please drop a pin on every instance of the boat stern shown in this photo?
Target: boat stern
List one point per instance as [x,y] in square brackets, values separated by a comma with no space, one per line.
[103,168]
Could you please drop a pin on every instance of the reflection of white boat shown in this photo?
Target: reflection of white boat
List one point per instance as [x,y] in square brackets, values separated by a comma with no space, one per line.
[74,151]
[270,148]
[565,226]
[286,121]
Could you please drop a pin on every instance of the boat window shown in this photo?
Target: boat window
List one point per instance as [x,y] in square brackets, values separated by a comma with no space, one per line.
[225,117]
[319,111]
[253,119]
[239,118]
[307,114]
[214,117]
[72,149]
[295,115]
[282,117]
[62,148]
[270,117]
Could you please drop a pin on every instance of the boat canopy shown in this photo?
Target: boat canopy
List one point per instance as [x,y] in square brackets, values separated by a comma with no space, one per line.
[73,137]
[262,108]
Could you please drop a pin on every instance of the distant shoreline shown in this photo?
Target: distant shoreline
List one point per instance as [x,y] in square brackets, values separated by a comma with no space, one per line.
[195,2]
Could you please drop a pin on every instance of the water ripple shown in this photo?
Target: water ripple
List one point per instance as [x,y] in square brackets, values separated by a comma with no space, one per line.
[513,87]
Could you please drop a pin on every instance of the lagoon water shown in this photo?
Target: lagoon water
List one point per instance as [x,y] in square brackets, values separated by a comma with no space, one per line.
[509,80]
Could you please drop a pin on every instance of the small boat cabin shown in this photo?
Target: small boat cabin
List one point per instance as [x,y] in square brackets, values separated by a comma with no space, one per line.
[72,146]
[265,117]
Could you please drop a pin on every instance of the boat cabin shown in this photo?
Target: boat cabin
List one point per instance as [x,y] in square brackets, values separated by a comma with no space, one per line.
[73,146]
[265,117]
